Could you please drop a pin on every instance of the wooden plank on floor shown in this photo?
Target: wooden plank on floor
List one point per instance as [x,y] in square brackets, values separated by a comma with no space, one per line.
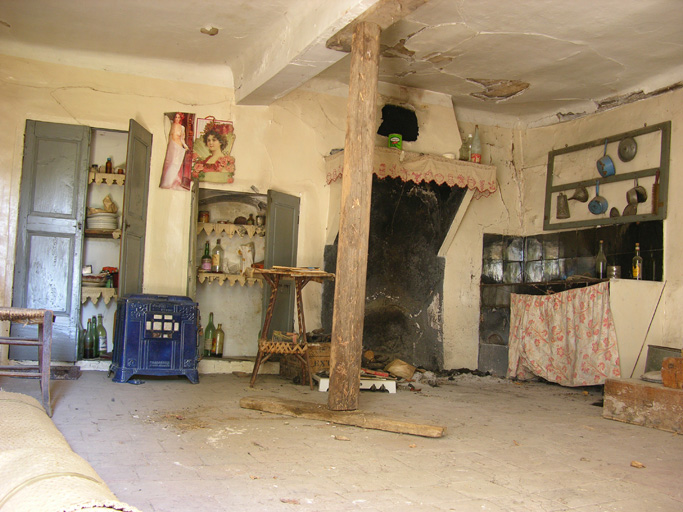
[356,418]
[644,403]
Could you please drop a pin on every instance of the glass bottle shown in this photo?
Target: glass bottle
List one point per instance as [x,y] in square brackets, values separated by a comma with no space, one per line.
[101,336]
[637,264]
[80,348]
[217,257]
[88,342]
[209,334]
[93,334]
[218,345]
[465,150]
[206,259]
[475,154]
[108,166]
[250,220]
[601,263]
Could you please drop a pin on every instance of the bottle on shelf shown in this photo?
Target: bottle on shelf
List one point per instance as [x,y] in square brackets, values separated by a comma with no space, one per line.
[250,220]
[217,349]
[465,149]
[108,166]
[101,336]
[206,259]
[209,334]
[601,263]
[95,342]
[475,154]
[637,264]
[82,334]
[217,257]
[88,342]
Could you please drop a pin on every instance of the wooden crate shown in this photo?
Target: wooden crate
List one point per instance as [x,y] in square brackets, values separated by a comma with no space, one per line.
[318,355]
[644,403]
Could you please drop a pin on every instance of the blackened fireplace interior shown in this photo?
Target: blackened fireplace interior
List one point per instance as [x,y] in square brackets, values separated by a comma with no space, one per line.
[404,289]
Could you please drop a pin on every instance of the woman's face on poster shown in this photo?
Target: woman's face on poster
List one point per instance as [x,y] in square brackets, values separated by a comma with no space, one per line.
[178,118]
[213,143]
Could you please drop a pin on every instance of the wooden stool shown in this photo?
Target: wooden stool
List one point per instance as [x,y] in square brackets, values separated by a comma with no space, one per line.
[43,318]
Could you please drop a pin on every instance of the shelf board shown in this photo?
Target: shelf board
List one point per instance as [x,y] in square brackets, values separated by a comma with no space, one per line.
[95,293]
[104,178]
[232,279]
[231,229]
[103,233]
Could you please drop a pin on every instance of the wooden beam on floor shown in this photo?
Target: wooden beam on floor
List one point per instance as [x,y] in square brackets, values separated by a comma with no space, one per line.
[384,14]
[361,419]
[354,221]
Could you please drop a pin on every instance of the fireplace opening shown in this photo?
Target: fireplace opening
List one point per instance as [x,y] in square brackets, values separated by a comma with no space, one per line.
[405,276]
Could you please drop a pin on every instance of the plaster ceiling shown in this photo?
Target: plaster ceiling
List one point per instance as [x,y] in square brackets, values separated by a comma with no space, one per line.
[534,61]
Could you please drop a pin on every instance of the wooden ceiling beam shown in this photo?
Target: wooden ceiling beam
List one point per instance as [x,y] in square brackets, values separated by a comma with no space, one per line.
[384,13]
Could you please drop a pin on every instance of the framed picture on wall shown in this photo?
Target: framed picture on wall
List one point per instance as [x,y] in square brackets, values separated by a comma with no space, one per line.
[211,155]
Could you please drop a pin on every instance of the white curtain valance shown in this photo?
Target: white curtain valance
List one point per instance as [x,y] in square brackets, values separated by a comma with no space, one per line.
[419,167]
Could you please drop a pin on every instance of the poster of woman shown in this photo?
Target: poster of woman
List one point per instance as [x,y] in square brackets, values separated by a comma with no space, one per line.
[177,170]
[211,159]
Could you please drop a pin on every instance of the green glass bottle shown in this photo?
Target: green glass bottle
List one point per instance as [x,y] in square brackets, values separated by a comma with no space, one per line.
[209,334]
[206,259]
[101,336]
[88,342]
[93,333]
[220,338]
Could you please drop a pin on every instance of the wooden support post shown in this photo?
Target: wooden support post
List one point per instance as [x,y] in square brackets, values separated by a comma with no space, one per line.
[354,223]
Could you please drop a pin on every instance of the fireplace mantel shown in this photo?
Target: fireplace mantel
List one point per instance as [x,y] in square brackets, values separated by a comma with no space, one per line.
[418,167]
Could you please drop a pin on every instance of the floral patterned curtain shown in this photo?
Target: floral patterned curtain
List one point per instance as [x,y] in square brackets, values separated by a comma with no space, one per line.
[568,337]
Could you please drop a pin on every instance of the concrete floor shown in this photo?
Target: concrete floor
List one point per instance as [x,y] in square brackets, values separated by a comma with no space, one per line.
[168,446]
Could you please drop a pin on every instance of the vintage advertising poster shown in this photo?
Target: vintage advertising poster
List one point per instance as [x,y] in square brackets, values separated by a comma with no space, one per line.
[176,174]
[211,158]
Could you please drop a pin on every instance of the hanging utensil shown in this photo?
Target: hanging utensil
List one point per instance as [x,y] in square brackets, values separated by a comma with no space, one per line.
[598,205]
[562,206]
[580,195]
[631,209]
[627,149]
[605,164]
[637,194]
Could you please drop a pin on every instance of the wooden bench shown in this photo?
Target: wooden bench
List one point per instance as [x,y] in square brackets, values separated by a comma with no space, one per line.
[43,318]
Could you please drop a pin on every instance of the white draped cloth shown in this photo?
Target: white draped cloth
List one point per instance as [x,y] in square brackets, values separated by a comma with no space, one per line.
[568,337]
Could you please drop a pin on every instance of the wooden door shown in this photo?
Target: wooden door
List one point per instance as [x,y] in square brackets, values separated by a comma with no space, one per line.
[47,268]
[191,290]
[134,210]
[282,235]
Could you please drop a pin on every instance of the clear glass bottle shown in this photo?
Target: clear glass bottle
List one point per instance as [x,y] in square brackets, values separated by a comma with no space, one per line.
[101,336]
[601,263]
[475,154]
[465,149]
[209,334]
[217,257]
[637,265]
[220,339]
